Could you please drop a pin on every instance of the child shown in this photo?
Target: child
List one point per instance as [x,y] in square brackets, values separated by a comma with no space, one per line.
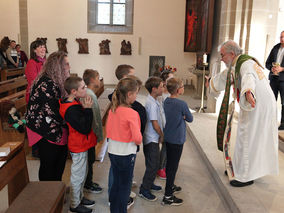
[123,134]
[165,75]
[177,113]
[122,71]
[92,80]
[125,70]
[153,135]
[81,138]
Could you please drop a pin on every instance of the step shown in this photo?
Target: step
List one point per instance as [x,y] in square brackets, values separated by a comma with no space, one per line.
[265,195]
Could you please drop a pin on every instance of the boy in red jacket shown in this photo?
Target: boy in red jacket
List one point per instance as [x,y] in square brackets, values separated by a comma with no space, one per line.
[79,117]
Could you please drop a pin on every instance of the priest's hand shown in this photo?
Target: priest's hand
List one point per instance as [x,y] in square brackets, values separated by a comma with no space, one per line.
[250,98]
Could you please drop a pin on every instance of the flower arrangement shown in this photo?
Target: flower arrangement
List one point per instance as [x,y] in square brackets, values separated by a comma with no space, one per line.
[168,68]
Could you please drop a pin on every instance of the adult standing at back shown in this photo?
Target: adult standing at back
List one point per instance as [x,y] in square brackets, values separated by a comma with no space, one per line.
[45,126]
[275,63]
[23,59]
[34,65]
[33,68]
[4,45]
[12,55]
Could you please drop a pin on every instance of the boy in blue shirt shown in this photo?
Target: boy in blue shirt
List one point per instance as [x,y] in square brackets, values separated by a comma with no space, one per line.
[153,135]
[177,113]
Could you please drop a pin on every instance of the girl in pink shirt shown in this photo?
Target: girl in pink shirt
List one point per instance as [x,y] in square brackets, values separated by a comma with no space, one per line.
[123,135]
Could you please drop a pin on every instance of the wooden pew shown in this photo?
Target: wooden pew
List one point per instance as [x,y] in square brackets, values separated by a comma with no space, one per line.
[25,196]
[11,86]
[7,133]
[9,73]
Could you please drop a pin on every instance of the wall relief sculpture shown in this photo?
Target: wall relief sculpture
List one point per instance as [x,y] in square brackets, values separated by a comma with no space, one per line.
[83,45]
[104,47]
[61,43]
[125,48]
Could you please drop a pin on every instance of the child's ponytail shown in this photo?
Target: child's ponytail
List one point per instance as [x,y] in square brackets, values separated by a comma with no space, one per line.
[119,96]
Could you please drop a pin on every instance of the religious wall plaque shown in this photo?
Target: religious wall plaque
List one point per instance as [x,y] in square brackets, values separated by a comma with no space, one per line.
[61,43]
[104,47]
[83,45]
[125,48]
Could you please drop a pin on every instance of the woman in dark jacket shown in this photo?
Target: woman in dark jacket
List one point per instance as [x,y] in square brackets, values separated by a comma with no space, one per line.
[45,126]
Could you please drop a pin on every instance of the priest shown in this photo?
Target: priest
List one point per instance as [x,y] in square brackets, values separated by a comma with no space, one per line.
[256,147]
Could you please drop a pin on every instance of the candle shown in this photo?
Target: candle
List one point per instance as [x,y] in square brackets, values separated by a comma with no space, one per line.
[204,58]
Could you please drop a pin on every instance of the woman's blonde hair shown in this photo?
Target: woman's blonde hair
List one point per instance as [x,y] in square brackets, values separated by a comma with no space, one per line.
[54,68]
[119,96]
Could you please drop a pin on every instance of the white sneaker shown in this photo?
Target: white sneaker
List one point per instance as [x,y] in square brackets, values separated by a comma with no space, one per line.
[132,195]
[130,202]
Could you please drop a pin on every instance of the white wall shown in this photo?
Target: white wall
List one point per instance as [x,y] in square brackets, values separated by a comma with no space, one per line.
[159,23]
[10,22]
[280,23]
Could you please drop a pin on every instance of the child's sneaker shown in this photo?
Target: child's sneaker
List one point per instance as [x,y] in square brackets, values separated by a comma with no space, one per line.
[172,201]
[147,195]
[162,174]
[132,194]
[81,209]
[130,202]
[94,188]
[176,189]
[86,202]
[156,188]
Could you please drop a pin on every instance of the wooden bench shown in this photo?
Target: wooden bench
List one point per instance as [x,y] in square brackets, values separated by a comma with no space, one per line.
[12,86]
[10,73]
[7,133]
[25,196]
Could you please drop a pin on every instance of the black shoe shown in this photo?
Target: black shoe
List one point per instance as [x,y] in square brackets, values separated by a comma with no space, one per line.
[81,209]
[86,202]
[94,188]
[281,127]
[172,201]
[147,195]
[156,188]
[236,183]
[226,173]
[176,189]
[130,202]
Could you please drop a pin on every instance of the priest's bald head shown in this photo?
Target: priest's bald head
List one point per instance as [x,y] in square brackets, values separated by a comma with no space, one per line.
[229,50]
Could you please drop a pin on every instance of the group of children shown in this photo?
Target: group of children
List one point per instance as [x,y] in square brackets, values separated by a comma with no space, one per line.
[162,121]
